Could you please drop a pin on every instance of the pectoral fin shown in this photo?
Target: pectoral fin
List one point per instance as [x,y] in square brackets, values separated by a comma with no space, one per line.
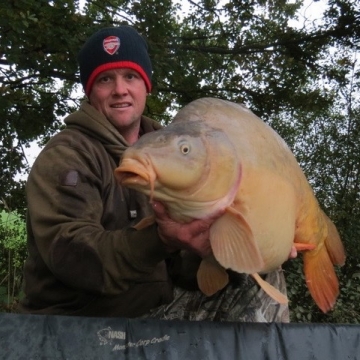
[270,290]
[211,277]
[233,243]
[145,222]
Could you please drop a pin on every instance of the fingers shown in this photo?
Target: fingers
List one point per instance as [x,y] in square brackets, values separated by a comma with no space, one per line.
[293,253]
[159,208]
[192,236]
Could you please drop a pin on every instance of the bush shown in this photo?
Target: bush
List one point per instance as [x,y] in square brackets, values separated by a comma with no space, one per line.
[13,252]
[303,308]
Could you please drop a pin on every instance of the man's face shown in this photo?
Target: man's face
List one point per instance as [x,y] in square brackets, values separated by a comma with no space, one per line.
[120,95]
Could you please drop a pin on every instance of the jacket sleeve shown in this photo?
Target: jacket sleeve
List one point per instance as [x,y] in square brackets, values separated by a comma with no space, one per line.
[66,191]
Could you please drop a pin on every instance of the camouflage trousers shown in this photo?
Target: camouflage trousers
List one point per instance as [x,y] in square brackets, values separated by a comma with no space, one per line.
[241,300]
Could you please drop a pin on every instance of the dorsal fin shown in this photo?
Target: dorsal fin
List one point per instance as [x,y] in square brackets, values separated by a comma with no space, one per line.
[333,243]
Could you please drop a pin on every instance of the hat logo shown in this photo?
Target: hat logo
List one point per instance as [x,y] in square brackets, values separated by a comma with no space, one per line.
[111,44]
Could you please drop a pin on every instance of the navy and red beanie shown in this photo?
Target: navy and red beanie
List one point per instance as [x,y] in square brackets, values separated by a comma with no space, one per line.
[114,48]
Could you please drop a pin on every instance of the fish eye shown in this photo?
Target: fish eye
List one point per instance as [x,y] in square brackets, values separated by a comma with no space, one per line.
[185,149]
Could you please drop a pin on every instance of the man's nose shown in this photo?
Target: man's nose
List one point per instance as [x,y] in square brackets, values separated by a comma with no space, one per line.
[120,86]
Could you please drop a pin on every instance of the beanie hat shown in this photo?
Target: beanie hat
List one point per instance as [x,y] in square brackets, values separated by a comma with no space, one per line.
[114,48]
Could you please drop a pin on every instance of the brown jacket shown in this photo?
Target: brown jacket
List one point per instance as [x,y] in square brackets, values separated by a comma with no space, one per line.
[84,256]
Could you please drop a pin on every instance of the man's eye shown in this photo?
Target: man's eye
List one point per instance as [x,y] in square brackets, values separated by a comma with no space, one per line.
[131,76]
[104,79]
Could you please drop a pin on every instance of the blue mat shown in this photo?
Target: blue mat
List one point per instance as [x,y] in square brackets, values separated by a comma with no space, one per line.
[63,337]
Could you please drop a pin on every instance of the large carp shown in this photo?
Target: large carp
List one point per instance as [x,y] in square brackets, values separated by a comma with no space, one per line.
[218,157]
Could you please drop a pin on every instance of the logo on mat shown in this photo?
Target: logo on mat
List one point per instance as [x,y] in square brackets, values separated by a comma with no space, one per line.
[119,340]
[111,44]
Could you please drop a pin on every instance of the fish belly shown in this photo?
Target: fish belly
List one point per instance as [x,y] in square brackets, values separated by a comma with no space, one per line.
[268,203]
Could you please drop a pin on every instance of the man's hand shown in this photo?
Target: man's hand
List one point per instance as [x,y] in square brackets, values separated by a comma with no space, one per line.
[293,253]
[193,236]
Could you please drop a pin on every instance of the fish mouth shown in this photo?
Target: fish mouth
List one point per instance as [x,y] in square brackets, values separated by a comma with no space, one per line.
[138,175]
[127,178]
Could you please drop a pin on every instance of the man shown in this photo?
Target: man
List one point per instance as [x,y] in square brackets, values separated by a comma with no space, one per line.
[85,258]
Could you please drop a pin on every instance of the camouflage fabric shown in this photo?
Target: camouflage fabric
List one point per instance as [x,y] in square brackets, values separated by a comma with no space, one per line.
[241,300]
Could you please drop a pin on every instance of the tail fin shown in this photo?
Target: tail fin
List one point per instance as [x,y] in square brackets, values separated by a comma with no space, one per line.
[333,243]
[321,278]
[319,269]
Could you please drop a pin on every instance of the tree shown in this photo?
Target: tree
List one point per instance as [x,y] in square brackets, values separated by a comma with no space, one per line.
[37,76]
[301,78]
[330,155]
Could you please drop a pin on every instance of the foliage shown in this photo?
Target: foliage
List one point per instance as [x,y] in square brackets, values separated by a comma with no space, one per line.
[327,147]
[303,308]
[12,257]
[298,73]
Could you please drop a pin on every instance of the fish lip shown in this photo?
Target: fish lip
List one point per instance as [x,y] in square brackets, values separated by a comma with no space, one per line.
[126,174]
[129,178]
[137,173]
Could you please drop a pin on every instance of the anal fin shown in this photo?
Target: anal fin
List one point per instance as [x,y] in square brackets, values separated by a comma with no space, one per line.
[304,247]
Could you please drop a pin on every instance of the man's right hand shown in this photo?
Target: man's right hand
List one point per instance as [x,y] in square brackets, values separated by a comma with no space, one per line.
[193,236]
